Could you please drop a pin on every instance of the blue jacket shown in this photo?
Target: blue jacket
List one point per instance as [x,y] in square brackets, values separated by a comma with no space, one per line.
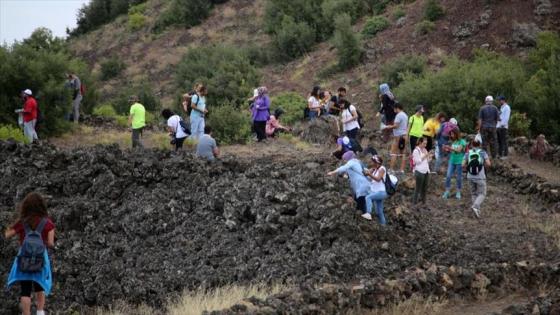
[43,278]
[361,186]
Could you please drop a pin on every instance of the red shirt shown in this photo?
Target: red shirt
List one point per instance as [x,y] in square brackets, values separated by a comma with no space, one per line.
[29,109]
[20,231]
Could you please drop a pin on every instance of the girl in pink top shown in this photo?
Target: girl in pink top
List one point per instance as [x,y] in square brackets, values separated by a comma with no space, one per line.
[273,124]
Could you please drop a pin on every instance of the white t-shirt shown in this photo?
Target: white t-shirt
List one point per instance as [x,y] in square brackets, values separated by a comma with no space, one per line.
[380,185]
[173,123]
[314,102]
[347,114]
[422,166]
[402,120]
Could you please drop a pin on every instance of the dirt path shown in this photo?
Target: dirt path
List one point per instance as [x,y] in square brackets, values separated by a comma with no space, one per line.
[542,169]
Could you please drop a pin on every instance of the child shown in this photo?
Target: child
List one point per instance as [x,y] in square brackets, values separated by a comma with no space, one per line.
[476,161]
[457,149]
[32,217]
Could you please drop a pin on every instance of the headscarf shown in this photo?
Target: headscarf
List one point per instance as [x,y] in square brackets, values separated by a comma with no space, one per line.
[347,156]
[385,90]
[262,91]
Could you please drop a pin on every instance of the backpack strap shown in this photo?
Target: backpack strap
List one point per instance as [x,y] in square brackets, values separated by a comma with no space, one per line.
[39,229]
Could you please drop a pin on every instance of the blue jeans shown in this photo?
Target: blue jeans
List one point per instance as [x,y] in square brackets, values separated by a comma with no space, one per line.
[313,114]
[454,169]
[197,127]
[378,197]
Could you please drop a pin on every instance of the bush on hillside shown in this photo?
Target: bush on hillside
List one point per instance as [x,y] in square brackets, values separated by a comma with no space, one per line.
[293,105]
[105,110]
[98,12]
[519,125]
[136,21]
[399,12]
[8,132]
[375,25]
[433,10]
[139,8]
[226,71]
[348,49]
[230,125]
[186,13]
[424,27]
[111,68]
[145,93]
[293,39]
[393,72]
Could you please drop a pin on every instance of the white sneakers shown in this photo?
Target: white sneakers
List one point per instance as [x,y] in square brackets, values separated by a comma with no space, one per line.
[476,212]
[366,216]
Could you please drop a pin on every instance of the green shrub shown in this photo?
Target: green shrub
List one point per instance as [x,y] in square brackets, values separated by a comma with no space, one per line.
[519,125]
[392,72]
[98,12]
[377,6]
[433,10]
[292,39]
[347,44]
[9,132]
[139,8]
[111,68]
[331,9]
[230,125]
[185,13]
[136,21]
[399,12]
[425,27]
[105,110]
[226,71]
[293,105]
[375,25]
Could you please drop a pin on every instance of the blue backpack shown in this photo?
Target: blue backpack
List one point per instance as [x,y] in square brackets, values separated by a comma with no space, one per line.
[31,256]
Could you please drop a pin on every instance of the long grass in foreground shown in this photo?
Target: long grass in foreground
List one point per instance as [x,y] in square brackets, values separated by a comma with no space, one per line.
[412,306]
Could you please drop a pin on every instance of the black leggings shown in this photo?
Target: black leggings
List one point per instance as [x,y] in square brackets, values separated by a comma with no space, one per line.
[27,286]
[260,129]
[179,143]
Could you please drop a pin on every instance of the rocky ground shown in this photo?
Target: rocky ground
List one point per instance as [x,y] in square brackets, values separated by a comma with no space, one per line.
[144,225]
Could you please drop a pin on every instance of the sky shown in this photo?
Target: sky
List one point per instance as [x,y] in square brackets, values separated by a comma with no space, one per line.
[19,18]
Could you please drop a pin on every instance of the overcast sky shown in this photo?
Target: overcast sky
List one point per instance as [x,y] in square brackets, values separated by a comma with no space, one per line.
[18,18]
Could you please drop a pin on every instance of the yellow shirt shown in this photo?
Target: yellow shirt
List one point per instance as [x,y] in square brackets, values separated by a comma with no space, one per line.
[431,127]
[416,125]
[138,114]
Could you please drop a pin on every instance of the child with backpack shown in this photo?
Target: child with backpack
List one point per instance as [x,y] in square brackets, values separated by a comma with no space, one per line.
[31,268]
[475,162]
[381,188]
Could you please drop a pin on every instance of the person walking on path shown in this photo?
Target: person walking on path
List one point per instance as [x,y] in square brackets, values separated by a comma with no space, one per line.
[488,117]
[476,161]
[137,121]
[416,126]
[400,129]
[76,86]
[176,131]
[207,147]
[378,193]
[387,109]
[34,229]
[199,110]
[349,119]
[30,114]
[502,127]
[261,113]
[359,184]
[421,158]
[457,152]
[431,128]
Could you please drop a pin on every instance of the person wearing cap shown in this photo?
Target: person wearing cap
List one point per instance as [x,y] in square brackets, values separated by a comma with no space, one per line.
[29,115]
[136,120]
[488,117]
[358,182]
[377,186]
[343,145]
[76,85]
[400,129]
[502,127]
[416,126]
[261,108]
[273,125]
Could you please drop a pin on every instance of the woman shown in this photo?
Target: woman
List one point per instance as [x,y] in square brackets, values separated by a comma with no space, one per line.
[261,113]
[349,118]
[176,131]
[326,102]
[377,187]
[387,108]
[33,216]
[421,158]
[314,103]
[358,182]
[457,153]
[273,125]
[430,129]
[198,106]
[442,137]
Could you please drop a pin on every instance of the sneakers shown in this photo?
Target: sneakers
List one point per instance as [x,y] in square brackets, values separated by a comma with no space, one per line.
[366,216]
[476,212]
[458,195]
[445,195]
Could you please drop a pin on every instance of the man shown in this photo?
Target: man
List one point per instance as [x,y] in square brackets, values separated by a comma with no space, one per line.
[29,115]
[502,127]
[137,121]
[488,117]
[416,127]
[400,129]
[206,146]
[335,108]
[76,85]
[475,162]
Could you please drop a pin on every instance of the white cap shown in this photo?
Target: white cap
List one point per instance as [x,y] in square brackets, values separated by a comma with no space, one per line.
[489,98]
[255,92]
[453,121]
[346,140]
[28,92]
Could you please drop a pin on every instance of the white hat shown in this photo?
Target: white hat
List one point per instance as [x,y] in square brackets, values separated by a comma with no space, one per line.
[453,121]
[27,92]
[346,140]
[489,98]
[255,92]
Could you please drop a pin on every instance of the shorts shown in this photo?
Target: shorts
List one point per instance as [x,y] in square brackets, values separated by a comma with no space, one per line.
[27,286]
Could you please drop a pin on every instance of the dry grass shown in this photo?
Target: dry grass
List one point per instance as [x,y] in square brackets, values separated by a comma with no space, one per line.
[298,143]
[121,308]
[549,226]
[413,306]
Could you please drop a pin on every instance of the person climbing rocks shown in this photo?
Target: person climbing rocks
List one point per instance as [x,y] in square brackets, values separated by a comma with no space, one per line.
[207,148]
[345,144]
[198,112]
[421,158]
[387,110]
[314,103]
[398,145]
[442,139]
[261,112]
[36,230]
[349,119]
[273,125]
[359,184]
[502,127]
[75,84]
[176,131]
[377,186]
[431,127]
[488,117]
[30,114]
[454,167]
[137,121]
[475,162]
[416,126]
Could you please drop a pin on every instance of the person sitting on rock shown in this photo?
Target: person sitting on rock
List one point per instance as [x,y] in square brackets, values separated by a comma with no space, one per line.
[273,125]
[540,148]
[378,193]
[207,147]
[358,182]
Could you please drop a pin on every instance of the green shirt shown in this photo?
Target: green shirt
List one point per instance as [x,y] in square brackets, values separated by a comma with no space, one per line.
[416,126]
[457,157]
[138,113]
